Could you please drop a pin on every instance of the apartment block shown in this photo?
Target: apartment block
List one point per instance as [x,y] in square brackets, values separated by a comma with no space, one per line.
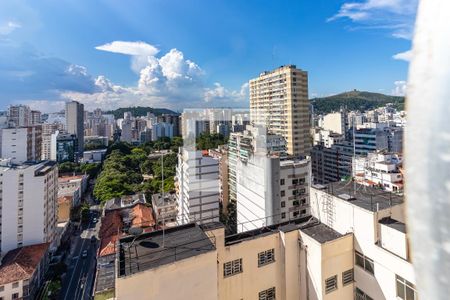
[331,164]
[379,169]
[301,259]
[197,187]
[75,123]
[279,101]
[64,147]
[383,268]
[47,131]
[19,116]
[28,204]
[21,144]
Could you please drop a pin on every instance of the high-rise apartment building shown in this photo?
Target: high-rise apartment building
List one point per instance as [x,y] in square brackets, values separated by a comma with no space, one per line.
[197,184]
[64,147]
[47,131]
[28,210]
[21,144]
[266,187]
[36,117]
[19,115]
[279,100]
[75,123]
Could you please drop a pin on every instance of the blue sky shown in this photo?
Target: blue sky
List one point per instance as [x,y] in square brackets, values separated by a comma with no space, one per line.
[178,53]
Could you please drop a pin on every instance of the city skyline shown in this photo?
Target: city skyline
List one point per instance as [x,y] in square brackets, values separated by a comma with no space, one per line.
[108,56]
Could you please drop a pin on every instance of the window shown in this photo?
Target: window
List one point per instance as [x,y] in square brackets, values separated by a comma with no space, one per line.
[281,181]
[347,277]
[15,296]
[232,267]
[266,257]
[15,285]
[330,284]
[405,289]
[283,215]
[268,294]
[2,288]
[360,295]
[283,204]
[364,262]
[283,193]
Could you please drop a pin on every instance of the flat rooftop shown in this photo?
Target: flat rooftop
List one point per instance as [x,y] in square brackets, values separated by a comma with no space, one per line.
[309,225]
[148,250]
[322,233]
[392,223]
[366,197]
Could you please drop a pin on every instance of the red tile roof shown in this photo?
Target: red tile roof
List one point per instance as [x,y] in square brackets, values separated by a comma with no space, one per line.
[142,216]
[20,264]
[110,230]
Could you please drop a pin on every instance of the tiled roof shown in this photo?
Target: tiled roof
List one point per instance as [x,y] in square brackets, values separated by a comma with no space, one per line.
[20,264]
[142,216]
[110,230]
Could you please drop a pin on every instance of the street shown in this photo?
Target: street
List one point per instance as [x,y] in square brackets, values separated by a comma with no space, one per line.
[79,279]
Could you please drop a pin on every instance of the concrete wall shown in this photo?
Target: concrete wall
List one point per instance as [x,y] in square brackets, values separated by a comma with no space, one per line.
[191,278]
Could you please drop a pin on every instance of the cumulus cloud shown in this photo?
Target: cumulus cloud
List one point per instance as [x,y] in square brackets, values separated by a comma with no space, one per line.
[399,88]
[168,80]
[406,56]
[396,16]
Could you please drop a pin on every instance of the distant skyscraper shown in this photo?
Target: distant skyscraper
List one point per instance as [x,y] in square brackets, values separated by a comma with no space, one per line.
[36,117]
[19,115]
[75,123]
[279,100]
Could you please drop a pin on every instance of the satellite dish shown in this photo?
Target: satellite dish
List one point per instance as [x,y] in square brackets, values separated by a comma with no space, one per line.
[135,231]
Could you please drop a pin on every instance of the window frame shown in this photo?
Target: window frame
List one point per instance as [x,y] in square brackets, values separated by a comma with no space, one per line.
[405,285]
[348,277]
[331,284]
[366,262]
[266,257]
[269,294]
[232,267]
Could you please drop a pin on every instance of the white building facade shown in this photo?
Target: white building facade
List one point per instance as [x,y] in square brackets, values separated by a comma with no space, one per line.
[197,185]
[28,204]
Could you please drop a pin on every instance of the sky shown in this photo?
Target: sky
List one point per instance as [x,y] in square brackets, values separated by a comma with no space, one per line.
[198,53]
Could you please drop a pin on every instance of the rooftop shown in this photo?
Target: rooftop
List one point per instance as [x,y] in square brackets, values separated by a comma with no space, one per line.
[366,197]
[305,223]
[148,250]
[322,233]
[397,225]
[168,199]
[20,264]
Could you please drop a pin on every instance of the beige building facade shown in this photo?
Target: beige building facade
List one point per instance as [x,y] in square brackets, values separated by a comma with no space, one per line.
[279,100]
[294,260]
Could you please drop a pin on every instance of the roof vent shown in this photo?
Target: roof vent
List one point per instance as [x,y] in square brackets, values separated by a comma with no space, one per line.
[347,197]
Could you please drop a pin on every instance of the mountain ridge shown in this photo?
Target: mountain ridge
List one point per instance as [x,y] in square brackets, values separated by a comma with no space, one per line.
[355,100]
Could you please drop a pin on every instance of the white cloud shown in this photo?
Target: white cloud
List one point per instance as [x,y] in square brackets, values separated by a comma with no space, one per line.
[129,48]
[170,81]
[399,88]
[8,27]
[406,56]
[397,16]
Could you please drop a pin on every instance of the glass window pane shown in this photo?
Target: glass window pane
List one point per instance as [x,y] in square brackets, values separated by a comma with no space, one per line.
[410,293]
[400,290]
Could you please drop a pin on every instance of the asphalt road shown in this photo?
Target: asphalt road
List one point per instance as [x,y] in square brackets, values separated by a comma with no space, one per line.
[79,278]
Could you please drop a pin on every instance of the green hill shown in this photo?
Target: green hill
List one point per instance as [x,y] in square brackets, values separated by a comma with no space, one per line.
[355,100]
[139,111]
